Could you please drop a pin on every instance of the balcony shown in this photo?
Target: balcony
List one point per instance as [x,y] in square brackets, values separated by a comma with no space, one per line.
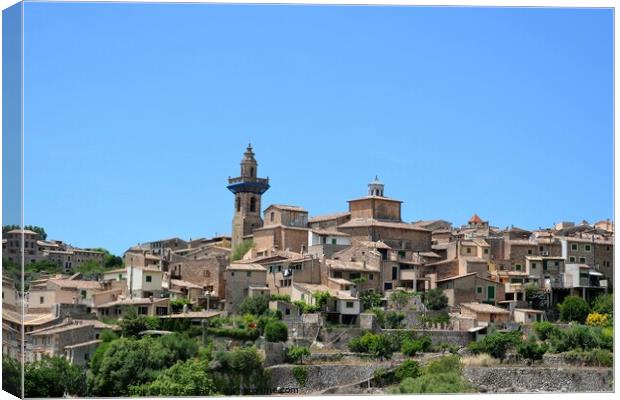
[513,287]
[408,275]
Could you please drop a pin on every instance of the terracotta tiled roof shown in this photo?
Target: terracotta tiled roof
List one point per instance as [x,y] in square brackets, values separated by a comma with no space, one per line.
[475,219]
[287,207]
[327,217]
[484,308]
[75,284]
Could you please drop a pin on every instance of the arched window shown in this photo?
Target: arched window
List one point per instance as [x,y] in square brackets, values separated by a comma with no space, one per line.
[251,171]
[238,203]
[253,204]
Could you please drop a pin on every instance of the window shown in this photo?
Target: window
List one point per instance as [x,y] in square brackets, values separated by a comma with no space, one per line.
[533,265]
[83,293]
[571,259]
[148,278]
[333,241]
[337,274]
[207,273]
[120,277]
[557,264]
[387,286]
[238,203]
[468,250]
[582,260]
[354,275]
[529,251]
[394,273]
[501,267]
[232,273]
[143,310]
[349,304]
[540,248]
[486,251]
[479,289]
[491,292]
[272,216]
[587,247]
[573,246]
[544,266]
[249,273]
[371,277]
[252,204]
[41,300]
[518,267]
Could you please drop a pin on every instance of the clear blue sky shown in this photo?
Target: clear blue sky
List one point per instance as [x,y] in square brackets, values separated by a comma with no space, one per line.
[136,114]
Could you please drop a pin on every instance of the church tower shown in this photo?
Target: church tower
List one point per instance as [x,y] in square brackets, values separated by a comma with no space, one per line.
[248,190]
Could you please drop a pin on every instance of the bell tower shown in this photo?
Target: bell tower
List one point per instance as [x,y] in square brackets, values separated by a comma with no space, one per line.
[248,190]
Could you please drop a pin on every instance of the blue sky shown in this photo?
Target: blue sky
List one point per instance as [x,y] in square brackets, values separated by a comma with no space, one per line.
[136,114]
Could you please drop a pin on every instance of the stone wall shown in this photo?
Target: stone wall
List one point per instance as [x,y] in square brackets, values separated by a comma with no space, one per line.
[539,379]
[324,376]
[460,338]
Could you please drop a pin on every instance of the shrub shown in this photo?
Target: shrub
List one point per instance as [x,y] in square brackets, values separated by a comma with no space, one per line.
[545,330]
[439,383]
[276,331]
[235,333]
[604,304]
[282,297]
[446,364]
[411,347]
[480,360]
[408,369]
[574,308]
[597,319]
[400,299]
[434,299]
[394,319]
[301,375]
[532,350]
[596,357]
[370,299]
[380,346]
[496,344]
[177,304]
[241,249]
[255,305]
[321,298]
[297,353]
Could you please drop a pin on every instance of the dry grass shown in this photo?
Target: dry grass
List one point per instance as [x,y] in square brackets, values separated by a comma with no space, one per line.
[480,360]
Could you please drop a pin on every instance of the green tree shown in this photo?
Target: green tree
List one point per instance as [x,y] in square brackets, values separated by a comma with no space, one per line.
[11,376]
[188,378]
[574,308]
[241,250]
[394,319]
[532,350]
[90,269]
[255,305]
[435,299]
[370,299]
[132,323]
[408,369]
[604,304]
[496,344]
[321,298]
[276,331]
[545,330]
[53,377]
[297,353]
[400,299]
[236,370]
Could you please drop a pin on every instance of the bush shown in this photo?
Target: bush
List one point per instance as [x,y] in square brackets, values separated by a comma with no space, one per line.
[597,319]
[434,299]
[496,344]
[301,375]
[446,364]
[306,308]
[411,347]
[177,304]
[604,304]
[440,383]
[480,360]
[574,308]
[282,297]
[545,330]
[394,319]
[241,250]
[321,298]
[531,350]
[255,305]
[370,299]
[297,353]
[380,346]
[235,333]
[189,378]
[408,369]
[276,331]
[595,358]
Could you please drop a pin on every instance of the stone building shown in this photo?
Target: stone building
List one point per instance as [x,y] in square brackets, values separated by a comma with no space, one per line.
[12,246]
[285,228]
[248,190]
[243,280]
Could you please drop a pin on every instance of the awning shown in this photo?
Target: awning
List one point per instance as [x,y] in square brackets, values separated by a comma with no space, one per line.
[595,273]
